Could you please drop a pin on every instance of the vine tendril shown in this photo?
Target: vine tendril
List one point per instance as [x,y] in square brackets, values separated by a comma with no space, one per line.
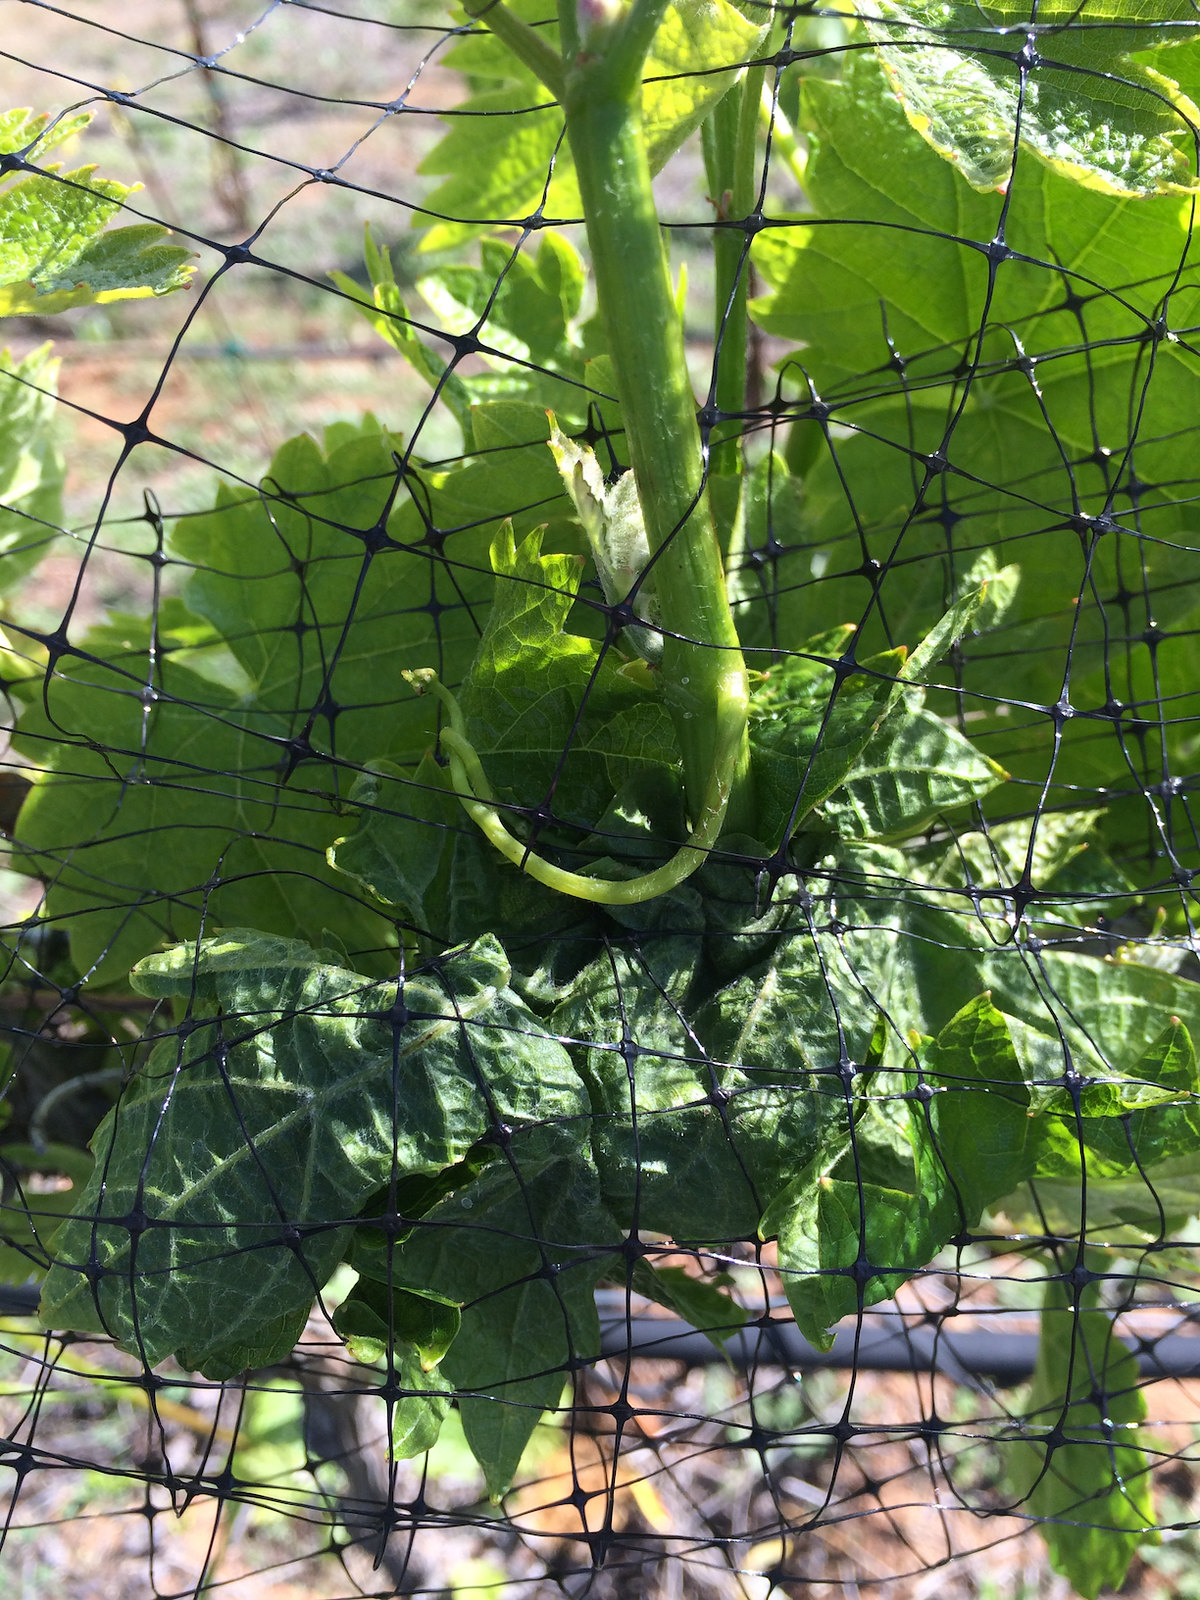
[477,800]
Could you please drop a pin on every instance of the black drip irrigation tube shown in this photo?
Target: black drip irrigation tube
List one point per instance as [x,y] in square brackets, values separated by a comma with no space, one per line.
[879,1344]
[996,1358]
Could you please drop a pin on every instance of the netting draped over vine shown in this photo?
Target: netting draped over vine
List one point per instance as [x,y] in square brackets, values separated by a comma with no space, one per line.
[599,974]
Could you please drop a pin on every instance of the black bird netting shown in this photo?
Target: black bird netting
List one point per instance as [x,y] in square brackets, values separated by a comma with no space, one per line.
[599,975]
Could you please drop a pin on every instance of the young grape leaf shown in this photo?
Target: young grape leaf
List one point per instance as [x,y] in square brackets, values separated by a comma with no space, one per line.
[410,1333]
[745,910]
[532,302]
[683,80]
[554,722]
[969,75]
[1109,1011]
[1118,1008]
[54,251]
[227,1175]
[421,1407]
[202,782]
[418,852]
[769,507]
[388,315]
[529,307]
[1075,877]
[611,517]
[24,130]
[32,466]
[1047,843]
[1080,1469]
[373,1318]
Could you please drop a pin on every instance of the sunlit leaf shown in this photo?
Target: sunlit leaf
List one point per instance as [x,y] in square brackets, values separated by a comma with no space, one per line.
[54,251]
[969,75]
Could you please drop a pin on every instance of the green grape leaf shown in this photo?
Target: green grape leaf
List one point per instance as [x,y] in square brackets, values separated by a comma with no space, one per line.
[1118,1008]
[1049,843]
[54,251]
[298,1091]
[32,465]
[204,762]
[844,1244]
[30,1214]
[872,177]
[529,672]
[415,849]
[812,722]
[659,1144]
[521,1251]
[529,305]
[728,1094]
[410,1332]
[770,500]
[1115,1034]
[745,915]
[400,850]
[500,162]
[806,735]
[896,244]
[1086,105]
[681,86]
[978,1147]
[1134,1141]
[1165,1075]
[1080,1468]
[868,1212]
[421,1408]
[914,767]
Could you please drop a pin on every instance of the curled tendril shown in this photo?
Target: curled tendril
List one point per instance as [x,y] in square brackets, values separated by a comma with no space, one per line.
[475,795]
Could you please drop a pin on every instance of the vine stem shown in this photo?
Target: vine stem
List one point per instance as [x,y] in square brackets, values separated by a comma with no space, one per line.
[597,80]
[703,673]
